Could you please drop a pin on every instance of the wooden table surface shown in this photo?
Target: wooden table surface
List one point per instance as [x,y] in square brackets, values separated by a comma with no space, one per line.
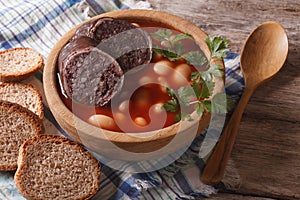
[266,154]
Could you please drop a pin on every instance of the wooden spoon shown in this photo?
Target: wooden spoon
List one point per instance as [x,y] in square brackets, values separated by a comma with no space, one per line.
[263,55]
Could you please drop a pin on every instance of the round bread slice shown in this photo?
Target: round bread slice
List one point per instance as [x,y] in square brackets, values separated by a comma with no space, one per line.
[19,63]
[23,94]
[53,167]
[17,124]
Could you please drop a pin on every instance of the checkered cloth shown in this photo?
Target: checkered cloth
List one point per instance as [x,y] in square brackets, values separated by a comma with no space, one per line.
[39,24]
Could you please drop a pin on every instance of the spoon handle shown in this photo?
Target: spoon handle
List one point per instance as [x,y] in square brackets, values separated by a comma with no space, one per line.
[215,167]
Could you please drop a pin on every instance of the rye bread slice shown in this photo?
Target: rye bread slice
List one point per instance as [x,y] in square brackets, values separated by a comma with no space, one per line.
[53,167]
[17,124]
[23,94]
[19,63]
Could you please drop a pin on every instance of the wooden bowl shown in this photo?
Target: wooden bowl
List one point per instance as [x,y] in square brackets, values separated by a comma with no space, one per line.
[127,146]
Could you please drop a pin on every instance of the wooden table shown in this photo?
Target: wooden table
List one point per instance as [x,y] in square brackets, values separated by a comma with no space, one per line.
[266,154]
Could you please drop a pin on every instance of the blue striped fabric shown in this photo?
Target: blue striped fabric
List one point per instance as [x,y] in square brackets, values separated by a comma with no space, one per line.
[39,24]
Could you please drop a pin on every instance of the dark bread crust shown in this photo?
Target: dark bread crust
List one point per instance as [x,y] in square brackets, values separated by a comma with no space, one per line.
[19,76]
[33,119]
[33,89]
[25,156]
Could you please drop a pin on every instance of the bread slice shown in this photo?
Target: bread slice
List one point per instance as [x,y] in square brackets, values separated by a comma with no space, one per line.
[17,124]
[23,94]
[53,167]
[19,63]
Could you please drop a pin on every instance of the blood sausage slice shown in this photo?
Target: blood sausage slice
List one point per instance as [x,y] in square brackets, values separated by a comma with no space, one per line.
[129,45]
[102,28]
[89,75]
[72,48]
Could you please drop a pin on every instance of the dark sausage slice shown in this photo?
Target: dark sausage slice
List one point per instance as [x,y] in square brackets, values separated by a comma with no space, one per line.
[102,28]
[131,48]
[129,45]
[89,75]
[72,47]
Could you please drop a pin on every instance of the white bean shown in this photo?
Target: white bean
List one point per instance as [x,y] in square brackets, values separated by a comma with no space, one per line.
[157,108]
[124,106]
[165,44]
[182,74]
[184,69]
[135,24]
[140,121]
[145,80]
[120,119]
[119,116]
[163,83]
[163,67]
[102,121]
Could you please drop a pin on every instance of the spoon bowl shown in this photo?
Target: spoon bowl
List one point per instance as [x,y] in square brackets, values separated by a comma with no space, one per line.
[263,55]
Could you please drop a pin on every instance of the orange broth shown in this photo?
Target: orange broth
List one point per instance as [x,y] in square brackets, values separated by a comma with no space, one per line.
[142,99]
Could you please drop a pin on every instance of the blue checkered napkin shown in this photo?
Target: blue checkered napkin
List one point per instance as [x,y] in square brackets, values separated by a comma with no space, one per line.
[39,24]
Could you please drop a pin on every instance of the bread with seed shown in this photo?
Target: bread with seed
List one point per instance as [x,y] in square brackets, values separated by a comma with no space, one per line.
[53,167]
[19,63]
[17,124]
[23,94]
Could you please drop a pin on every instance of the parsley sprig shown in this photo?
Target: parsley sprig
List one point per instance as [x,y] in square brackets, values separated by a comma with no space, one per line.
[198,92]
[172,47]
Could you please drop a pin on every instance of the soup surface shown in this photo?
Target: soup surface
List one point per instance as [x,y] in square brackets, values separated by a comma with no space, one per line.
[138,107]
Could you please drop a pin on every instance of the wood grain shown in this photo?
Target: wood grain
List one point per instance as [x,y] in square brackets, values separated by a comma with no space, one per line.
[267,151]
[259,62]
[221,196]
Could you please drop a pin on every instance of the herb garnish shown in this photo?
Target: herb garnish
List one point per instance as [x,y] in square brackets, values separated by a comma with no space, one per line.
[198,92]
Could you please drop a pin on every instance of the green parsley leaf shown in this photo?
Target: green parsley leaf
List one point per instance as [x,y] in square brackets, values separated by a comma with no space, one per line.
[181,36]
[162,34]
[177,117]
[178,48]
[172,56]
[206,75]
[217,46]
[197,89]
[184,93]
[216,70]
[175,47]
[171,92]
[171,105]
[195,58]
[186,117]
[207,88]
[202,84]
[195,76]
[219,104]
[207,104]
[199,108]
